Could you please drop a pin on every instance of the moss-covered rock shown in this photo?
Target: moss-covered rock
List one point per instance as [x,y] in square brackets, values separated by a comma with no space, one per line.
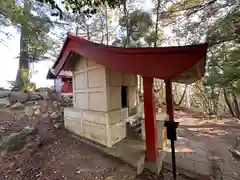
[17,141]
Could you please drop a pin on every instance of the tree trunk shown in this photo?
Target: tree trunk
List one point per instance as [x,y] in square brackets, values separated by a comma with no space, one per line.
[106,16]
[23,59]
[77,30]
[140,84]
[183,95]
[236,106]
[228,103]
[88,33]
[207,105]
[156,26]
[127,41]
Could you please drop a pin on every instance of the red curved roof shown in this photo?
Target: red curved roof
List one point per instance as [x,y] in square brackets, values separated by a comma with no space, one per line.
[162,62]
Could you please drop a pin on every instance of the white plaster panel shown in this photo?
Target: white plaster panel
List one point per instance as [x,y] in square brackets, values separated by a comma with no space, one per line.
[117,132]
[73,120]
[132,96]
[99,89]
[97,117]
[114,116]
[124,113]
[97,101]
[114,98]
[73,126]
[73,113]
[95,132]
[91,62]
[73,87]
[80,81]
[82,101]
[129,80]
[96,77]
[81,64]
[115,77]
[117,115]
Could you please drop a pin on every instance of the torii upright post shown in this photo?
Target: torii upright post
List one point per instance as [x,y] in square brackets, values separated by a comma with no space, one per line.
[150,120]
[171,125]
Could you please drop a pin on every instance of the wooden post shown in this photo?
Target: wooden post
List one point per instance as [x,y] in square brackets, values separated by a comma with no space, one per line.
[150,120]
[170,112]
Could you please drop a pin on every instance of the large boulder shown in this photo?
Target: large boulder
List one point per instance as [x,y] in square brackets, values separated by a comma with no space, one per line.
[33,96]
[28,111]
[4,93]
[18,97]
[31,111]
[235,150]
[18,105]
[43,89]
[43,92]
[4,102]
[17,141]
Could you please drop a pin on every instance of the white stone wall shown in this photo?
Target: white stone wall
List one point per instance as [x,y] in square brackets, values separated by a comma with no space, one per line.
[89,86]
[115,80]
[102,127]
[98,114]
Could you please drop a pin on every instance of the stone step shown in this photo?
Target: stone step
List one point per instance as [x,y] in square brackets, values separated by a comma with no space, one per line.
[134,129]
[136,124]
[138,130]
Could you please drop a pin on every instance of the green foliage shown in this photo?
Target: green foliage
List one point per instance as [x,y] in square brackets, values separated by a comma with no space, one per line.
[36,26]
[225,61]
[13,142]
[138,23]
[151,37]
[10,12]
[184,5]
[35,41]
[87,7]
[225,29]
[216,22]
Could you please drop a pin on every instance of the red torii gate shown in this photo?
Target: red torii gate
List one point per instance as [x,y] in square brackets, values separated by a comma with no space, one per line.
[184,64]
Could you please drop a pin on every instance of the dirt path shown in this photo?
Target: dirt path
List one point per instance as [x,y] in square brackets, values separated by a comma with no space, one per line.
[217,137]
[61,157]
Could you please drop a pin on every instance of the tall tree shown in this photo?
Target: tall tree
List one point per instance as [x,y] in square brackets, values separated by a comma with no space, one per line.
[95,28]
[35,42]
[135,25]
[218,23]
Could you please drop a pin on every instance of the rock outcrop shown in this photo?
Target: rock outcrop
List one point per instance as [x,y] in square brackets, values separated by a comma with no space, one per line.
[17,141]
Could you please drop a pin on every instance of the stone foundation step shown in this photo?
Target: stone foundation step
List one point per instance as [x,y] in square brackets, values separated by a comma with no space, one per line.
[138,129]
[134,129]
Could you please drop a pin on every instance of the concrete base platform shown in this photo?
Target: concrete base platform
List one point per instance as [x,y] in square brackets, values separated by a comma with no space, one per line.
[130,151]
[191,157]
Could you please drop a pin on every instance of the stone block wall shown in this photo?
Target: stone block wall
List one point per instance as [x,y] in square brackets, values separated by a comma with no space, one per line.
[89,86]
[102,127]
[115,81]
[98,113]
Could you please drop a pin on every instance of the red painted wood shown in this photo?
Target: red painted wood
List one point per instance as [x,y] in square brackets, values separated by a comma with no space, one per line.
[150,120]
[163,63]
[169,99]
